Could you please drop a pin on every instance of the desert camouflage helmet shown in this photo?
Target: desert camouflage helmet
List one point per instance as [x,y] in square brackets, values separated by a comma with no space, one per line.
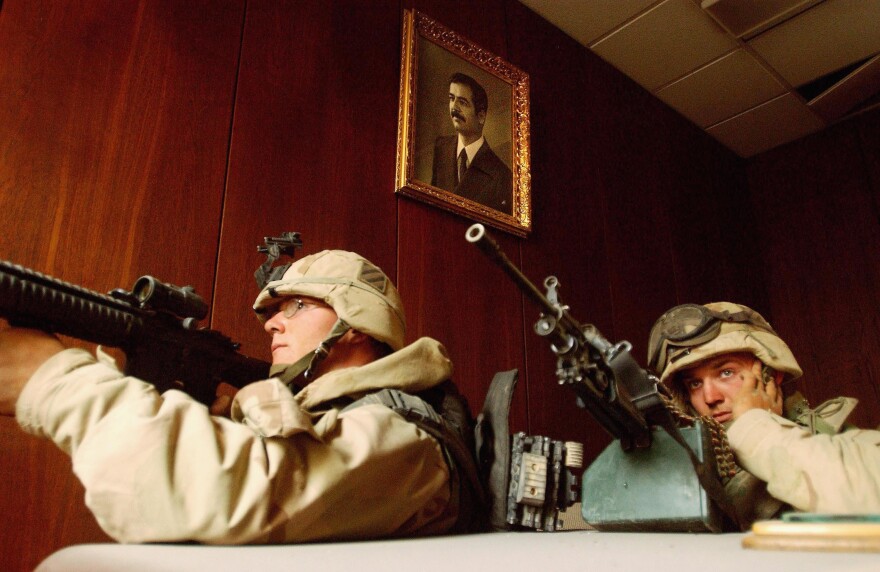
[361,294]
[690,333]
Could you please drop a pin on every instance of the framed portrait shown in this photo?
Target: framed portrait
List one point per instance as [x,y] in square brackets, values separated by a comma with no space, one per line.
[463,128]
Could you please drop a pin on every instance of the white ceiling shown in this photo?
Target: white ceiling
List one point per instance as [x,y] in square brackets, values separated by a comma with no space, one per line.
[753,74]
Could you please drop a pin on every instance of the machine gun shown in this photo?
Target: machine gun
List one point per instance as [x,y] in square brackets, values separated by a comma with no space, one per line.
[606,379]
[155,324]
[655,476]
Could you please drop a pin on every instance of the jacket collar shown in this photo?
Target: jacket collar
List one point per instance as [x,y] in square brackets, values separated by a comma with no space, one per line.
[416,367]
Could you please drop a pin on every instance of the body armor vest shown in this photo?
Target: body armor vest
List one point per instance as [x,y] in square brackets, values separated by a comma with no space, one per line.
[443,413]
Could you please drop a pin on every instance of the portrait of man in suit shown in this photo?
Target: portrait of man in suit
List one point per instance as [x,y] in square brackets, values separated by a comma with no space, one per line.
[464,163]
[463,128]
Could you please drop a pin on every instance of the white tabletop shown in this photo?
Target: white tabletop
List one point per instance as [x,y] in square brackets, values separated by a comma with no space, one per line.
[573,550]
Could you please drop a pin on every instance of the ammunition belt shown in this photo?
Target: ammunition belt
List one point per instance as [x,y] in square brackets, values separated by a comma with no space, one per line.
[725,461]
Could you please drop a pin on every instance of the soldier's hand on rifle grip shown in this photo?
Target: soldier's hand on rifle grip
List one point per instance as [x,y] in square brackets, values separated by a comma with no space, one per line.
[22,352]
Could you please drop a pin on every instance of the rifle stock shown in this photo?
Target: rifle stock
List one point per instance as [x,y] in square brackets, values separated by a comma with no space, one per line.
[163,345]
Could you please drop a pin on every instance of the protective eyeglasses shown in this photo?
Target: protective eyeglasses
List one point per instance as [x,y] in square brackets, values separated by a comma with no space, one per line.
[291,307]
[690,325]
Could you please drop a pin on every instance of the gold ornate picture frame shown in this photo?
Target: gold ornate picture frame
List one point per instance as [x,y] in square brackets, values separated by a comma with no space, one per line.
[443,80]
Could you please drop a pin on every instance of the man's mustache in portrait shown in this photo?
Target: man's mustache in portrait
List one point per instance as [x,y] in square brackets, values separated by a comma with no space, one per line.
[457,115]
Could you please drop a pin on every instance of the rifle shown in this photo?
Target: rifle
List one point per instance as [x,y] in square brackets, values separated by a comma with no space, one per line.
[655,476]
[155,324]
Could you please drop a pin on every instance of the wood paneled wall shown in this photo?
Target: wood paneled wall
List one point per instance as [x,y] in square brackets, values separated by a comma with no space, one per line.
[168,137]
[115,120]
[818,223]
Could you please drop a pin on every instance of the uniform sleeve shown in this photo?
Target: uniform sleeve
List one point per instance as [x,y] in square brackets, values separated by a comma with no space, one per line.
[162,469]
[814,473]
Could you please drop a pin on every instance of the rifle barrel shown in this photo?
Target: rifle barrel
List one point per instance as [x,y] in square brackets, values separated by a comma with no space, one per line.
[29,298]
[477,235]
[160,348]
[565,332]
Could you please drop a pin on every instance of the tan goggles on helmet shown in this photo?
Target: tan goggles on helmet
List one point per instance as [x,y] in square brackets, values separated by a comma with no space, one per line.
[690,325]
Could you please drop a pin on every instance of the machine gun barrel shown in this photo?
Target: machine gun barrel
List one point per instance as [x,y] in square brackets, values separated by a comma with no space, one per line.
[606,379]
[567,331]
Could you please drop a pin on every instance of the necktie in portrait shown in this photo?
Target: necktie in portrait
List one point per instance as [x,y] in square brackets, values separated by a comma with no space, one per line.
[462,164]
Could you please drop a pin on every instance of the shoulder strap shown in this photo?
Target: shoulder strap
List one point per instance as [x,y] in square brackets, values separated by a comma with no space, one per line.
[467,493]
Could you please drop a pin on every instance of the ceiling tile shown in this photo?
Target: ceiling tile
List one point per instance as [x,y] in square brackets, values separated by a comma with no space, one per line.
[587,20]
[821,40]
[665,43]
[694,56]
[747,17]
[728,86]
[846,95]
[778,121]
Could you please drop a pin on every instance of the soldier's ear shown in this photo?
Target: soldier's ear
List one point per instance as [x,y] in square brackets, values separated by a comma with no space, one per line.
[357,337]
[769,374]
[481,117]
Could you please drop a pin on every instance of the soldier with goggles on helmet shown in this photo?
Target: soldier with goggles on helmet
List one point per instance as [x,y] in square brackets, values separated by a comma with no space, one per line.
[347,440]
[725,362]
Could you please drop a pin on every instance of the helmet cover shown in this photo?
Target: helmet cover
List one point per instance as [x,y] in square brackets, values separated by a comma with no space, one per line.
[357,290]
[734,337]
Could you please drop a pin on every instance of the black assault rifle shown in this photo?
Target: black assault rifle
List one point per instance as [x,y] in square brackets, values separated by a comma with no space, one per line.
[651,478]
[155,324]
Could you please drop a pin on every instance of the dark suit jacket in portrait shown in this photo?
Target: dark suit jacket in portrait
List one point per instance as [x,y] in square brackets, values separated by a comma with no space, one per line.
[487,180]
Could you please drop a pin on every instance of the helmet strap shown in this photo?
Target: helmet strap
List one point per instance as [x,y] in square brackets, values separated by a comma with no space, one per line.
[306,365]
[287,373]
[769,374]
[323,350]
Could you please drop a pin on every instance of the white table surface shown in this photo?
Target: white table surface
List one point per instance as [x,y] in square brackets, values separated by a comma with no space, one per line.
[535,551]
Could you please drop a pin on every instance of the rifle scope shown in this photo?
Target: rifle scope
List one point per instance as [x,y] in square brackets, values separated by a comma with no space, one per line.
[182,301]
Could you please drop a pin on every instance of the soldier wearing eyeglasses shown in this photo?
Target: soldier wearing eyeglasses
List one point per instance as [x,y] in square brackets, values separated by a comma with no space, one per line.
[725,362]
[356,434]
